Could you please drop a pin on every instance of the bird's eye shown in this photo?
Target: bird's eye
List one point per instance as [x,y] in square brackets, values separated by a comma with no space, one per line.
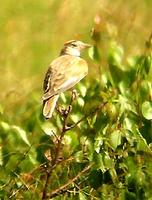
[74,45]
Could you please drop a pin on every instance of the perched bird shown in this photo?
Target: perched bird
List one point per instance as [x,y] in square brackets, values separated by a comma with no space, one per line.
[63,73]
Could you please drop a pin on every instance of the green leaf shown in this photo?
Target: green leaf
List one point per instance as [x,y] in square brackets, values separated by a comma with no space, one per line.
[78,156]
[82,196]
[147,110]
[70,138]
[128,124]
[116,54]
[5,126]
[115,138]
[94,53]
[108,162]
[82,89]
[21,133]
[132,61]
[63,97]
[98,142]
[1,157]
[75,118]
[98,158]
[142,144]
[80,101]
[48,128]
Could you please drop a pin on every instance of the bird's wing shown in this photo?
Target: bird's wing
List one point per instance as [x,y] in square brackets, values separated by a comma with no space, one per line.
[63,73]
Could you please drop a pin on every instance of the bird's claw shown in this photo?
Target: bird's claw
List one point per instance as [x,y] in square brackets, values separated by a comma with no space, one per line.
[67,110]
[64,112]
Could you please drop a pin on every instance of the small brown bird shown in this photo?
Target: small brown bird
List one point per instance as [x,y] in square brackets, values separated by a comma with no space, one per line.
[63,73]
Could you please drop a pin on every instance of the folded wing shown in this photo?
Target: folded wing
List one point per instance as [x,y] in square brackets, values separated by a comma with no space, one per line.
[63,73]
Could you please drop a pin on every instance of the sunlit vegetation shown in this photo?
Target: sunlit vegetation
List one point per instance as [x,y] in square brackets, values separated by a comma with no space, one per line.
[106,151]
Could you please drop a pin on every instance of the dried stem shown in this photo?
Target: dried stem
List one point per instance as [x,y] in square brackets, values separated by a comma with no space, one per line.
[65,128]
[55,161]
[64,187]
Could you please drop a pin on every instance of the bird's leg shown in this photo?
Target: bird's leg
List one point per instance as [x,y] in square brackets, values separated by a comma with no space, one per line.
[60,110]
[69,109]
[63,112]
[66,111]
[74,96]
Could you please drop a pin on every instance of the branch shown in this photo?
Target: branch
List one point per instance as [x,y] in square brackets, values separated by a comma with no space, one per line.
[64,187]
[64,113]
[89,114]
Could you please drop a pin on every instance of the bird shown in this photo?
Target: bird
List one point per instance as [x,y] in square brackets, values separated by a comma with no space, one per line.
[63,73]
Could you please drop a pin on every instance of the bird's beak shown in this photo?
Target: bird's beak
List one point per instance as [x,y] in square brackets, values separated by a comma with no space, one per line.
[85,46]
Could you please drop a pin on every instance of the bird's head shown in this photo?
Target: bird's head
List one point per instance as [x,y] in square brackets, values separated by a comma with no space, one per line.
[74,47]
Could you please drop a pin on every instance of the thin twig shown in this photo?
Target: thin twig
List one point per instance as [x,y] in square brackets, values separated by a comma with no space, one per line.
[65,128]
[89,114]
[65,186]
[54,162]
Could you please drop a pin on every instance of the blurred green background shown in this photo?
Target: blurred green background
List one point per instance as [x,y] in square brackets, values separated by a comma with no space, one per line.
[31,36]
[33,32]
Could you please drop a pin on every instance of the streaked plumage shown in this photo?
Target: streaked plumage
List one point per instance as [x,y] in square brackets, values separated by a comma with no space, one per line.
[63,73]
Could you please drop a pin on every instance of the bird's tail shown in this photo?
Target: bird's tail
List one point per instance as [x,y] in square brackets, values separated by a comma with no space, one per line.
[49,106]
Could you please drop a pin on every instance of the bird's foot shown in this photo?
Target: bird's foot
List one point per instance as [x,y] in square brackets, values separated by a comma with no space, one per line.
[60,110]
[64,112]
[67,110]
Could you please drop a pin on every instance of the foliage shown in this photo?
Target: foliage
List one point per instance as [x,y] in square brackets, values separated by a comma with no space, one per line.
[98,143]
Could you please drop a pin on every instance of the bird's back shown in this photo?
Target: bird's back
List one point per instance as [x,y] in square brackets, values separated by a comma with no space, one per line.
[64,72]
